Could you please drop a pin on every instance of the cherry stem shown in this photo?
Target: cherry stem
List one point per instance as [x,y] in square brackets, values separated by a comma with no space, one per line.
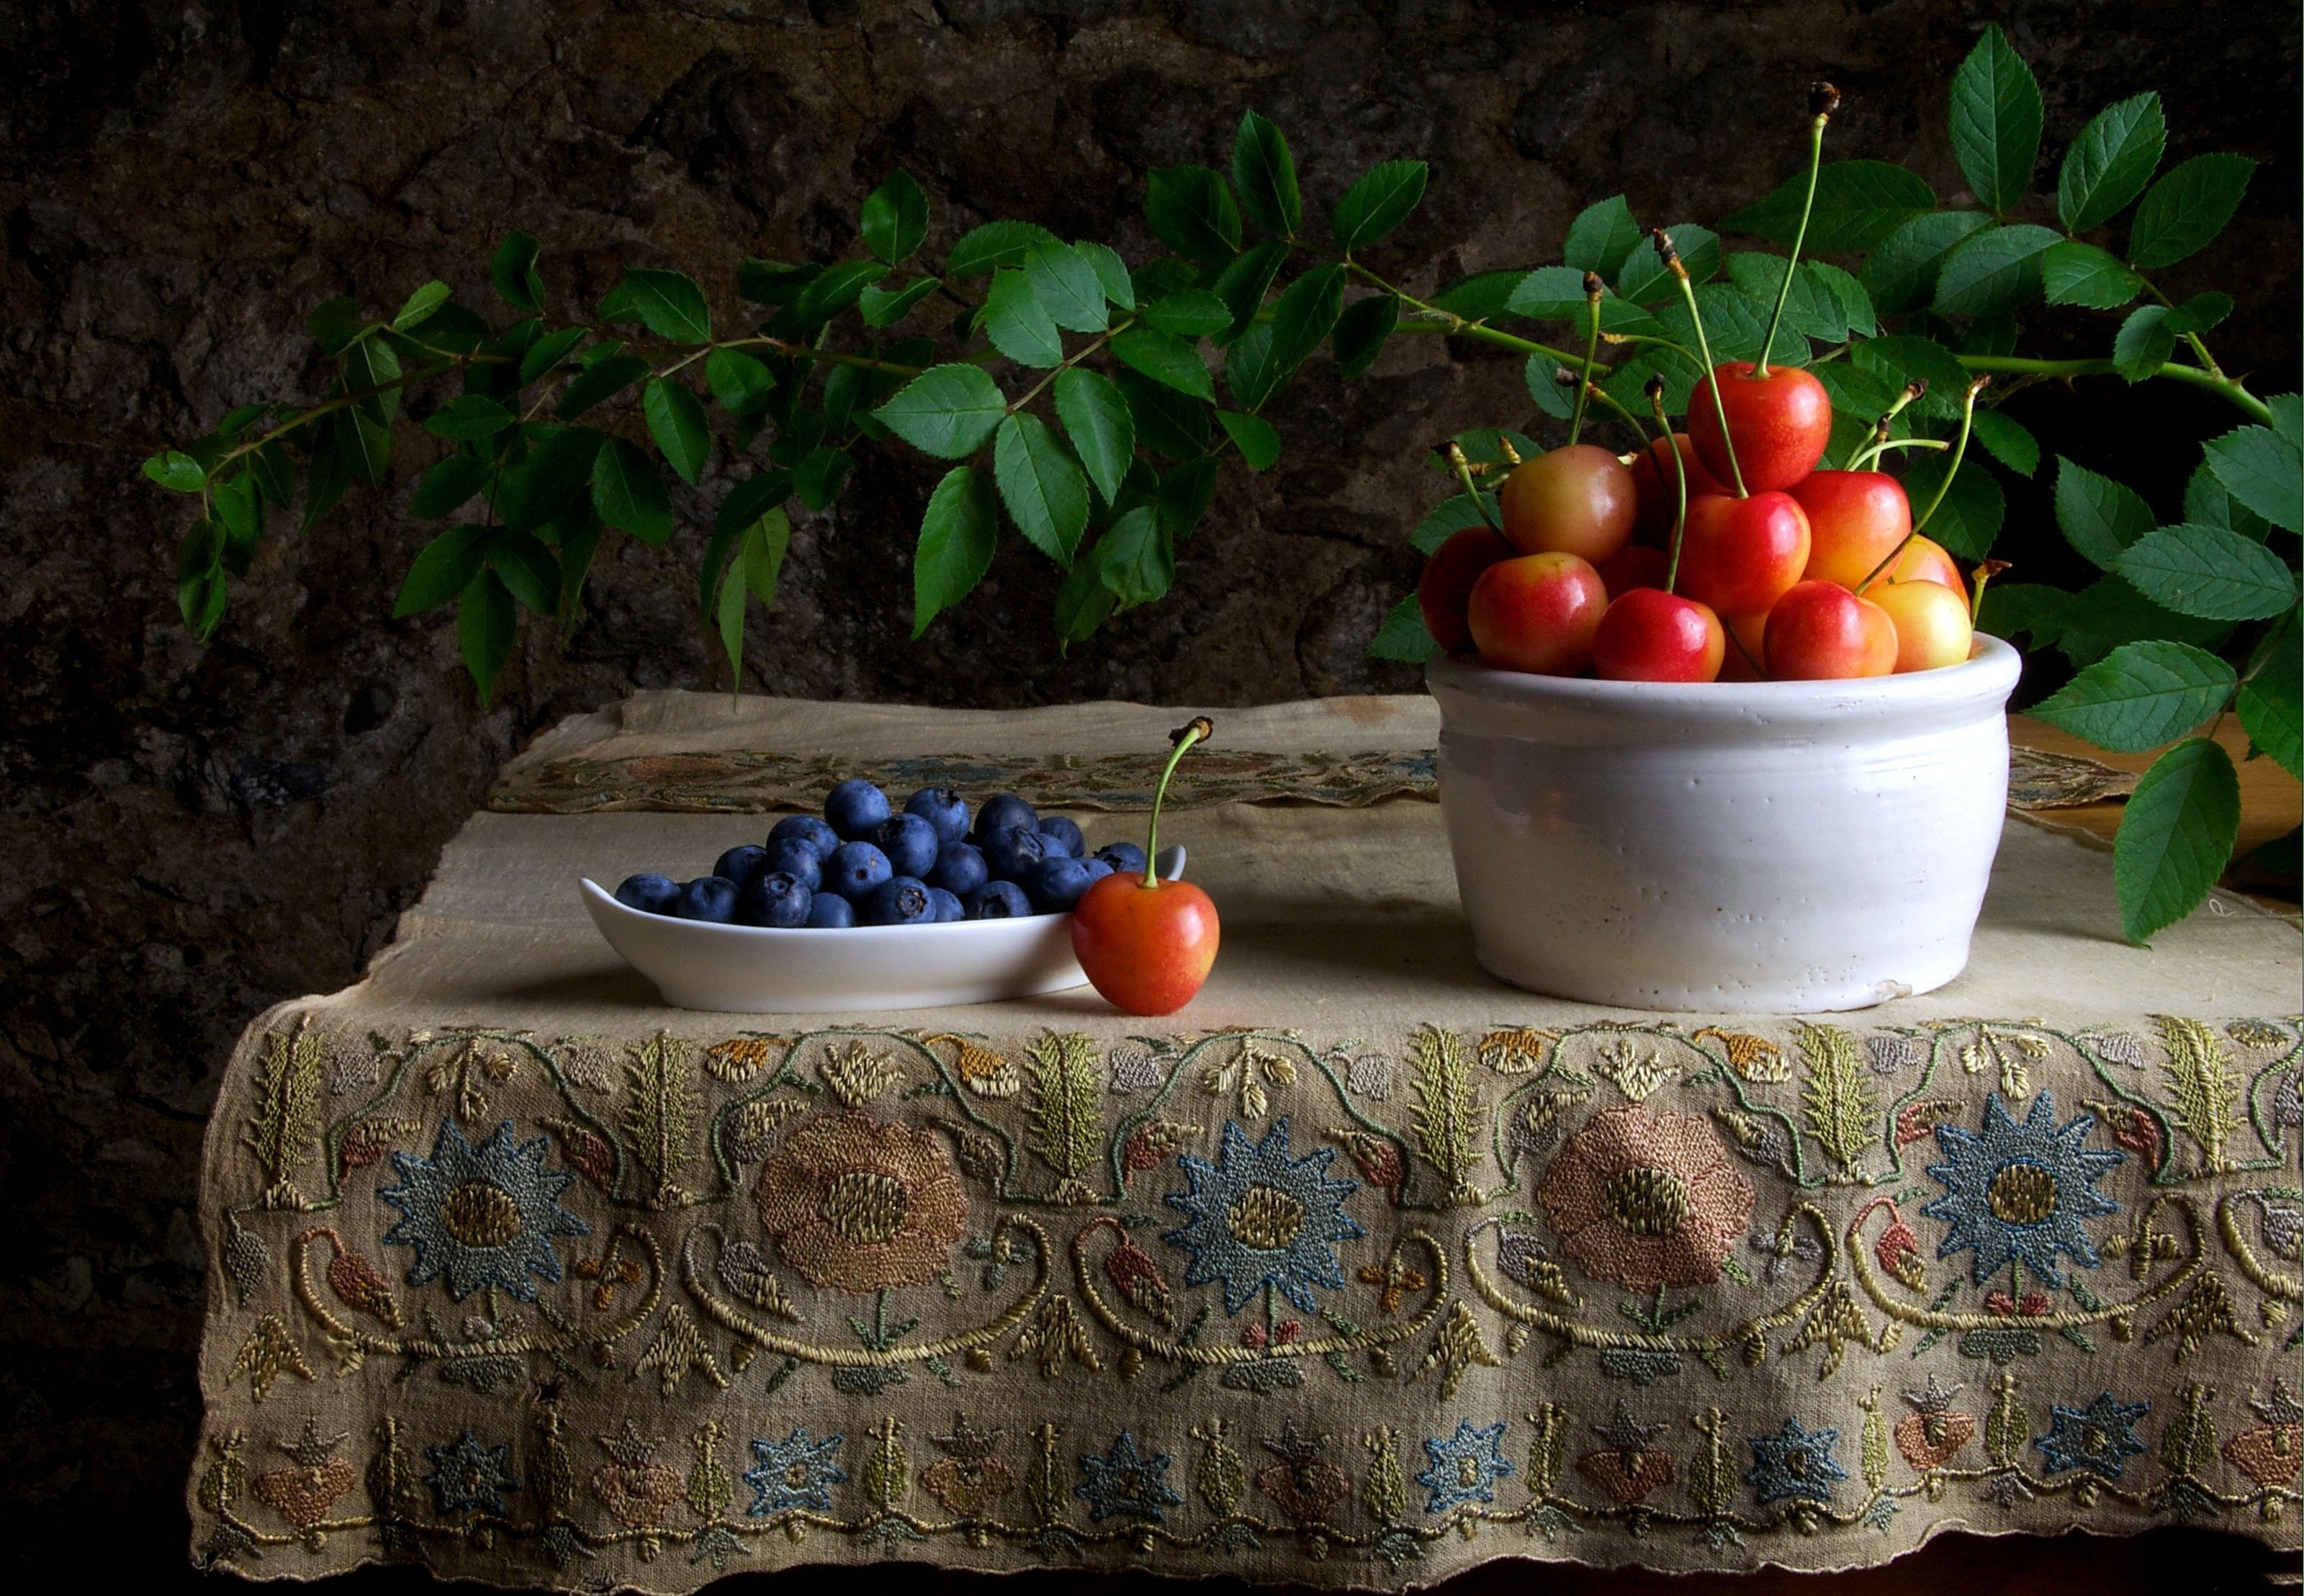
[1983,573]
[1703,348]
[1593,287]
[1678,481]
[1826,98]
[1199,729]
[1951,470]
[1911,392]
[1454,455]
[1874,451]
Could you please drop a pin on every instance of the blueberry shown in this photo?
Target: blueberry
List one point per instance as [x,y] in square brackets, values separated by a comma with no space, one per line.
[808,829]
[743,866]
[946,907]
[1057,886]
[942,809]
[774,898]
[856,809]
[960,869]
[911,844]
[1061,837]
[855,868]
[997,901]
[707,897]
[649,893]
[1011,852]
[797,857]
[830,911]
[1124,858]
[900,900]
[1005,810]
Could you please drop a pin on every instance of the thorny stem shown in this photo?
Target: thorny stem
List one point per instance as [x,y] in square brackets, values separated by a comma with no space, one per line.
[1678,481]
[2230,388]
[1704,347]
[1198,728]
[1951,470]
[1592,290]
[1823,99]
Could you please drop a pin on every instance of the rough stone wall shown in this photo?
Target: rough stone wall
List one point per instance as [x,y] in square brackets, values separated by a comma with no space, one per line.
[189,833]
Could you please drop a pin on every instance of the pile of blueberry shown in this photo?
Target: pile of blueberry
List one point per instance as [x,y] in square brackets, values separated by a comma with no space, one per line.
[862,865]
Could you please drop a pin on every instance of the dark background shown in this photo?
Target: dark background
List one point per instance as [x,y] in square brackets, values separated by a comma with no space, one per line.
[187,835]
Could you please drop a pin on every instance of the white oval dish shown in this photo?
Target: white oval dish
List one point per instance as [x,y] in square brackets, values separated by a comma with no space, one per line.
[763,969]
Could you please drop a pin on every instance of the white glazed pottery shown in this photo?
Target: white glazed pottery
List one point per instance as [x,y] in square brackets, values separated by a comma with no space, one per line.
[760,969]
[1783,847]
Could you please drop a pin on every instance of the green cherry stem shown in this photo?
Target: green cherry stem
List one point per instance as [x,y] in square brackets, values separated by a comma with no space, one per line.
[1880,446]
[1198,728]
[1453,453]
[1982,575]
[1593,289]
[1823,99]
[1951,470]
[1678,481]
[1866,451]
[1704,347]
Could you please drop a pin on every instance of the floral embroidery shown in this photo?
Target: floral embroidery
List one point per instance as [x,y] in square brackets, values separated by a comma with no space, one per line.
[1124,1481]
[633,1484]
[302,1495]
[1305,1485]
[2016,1194]
[2100,1436]
[1794,1464]
[1647,1198]
[1260,1217]
[968,1479]
[1465,1467]
[468,1477]
[796,1471]
[861,1204]
[483,1215]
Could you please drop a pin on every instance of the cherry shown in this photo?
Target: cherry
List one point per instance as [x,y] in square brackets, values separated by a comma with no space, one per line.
[1924,560]
[1446,588]
[1738,555]
[1146,944]
[1649,635]
[1652,478]
[1538,613]
[1747,648]
[1820,631]
[1578,500]
[1780,421]
[1855,520]
[1932,623]
[1635,565]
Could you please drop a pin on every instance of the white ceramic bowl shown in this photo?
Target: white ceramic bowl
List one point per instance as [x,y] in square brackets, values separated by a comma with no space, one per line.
[760,969]
[1785,847]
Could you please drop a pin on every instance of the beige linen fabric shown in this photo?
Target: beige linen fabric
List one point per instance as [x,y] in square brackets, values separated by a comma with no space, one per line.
[1363,1268]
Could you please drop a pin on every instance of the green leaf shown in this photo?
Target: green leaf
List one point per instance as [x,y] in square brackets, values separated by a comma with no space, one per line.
[1191,211]
[1734,322]
[2109,613]
[1135,559]
[1251,372]
[1264,173]
[993,245]
[1194,313]
[2008,441]
[2209,572]
[327,482]
[443,568]
[1556,293]
[2143,344]
[1995,121]
[1243,283]
[486,623]
[1018,325]
[1971,513]
[238,511]
[828,294]
[1858,204]
[1111,272]
[469,415]
[1601,238]
[1645,280]
[1555,399]
[668,304]
[1167,423]
[1164,358]
[2268,700]
[513,272]
[1992,271]
[773,281]
[201,592]
[1483,296]
[895,217]
[1861,395]
[176,471]
[363,444]
[335,324]
[2077,274]
[527,568]
[2099,516]
[957,535]
[2200,313]
[598,382]
[447,487]
[557,471]
[1068,285]
[1256,439]
[2110,163]
[1402,635]
[1811,310]
[628,493]
[273,472]
[817,477]
[1380,201]
[741,384]
[2185,209]
[547,352]
[1096,418]
[755,560]
[947,410]
[885,307]
[370,363]
[1044,492]
[1901,274]
[751,501]
[1450,517]
[2263,471]
[1186,491]
[1305,314]
[1361,332]
[1901,358]
[2288,417]
[2176,837]
[2140,696]
[1855,304]
[2208,503]
[420,305]
[675,420]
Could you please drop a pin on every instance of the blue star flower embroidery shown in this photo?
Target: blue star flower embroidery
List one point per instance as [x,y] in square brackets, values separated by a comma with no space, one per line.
[1259,1218]
[796,1471]
[1794,1464]
[2018,1193]
[482,1215]
[1466,1467]
[1124,1481]
[2101,1436]
[468,1477]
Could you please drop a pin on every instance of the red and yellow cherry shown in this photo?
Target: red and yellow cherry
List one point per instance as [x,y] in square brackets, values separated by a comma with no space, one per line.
[1924,560]
[1538,613]
[1649,635]
[1932,623]
[1738,555]
[1658,493]
[1855,520]
[1747,648]
[1820,631]
[1635,565]
[1446,588]
[1780,423]
[1578,500]
[1146,944]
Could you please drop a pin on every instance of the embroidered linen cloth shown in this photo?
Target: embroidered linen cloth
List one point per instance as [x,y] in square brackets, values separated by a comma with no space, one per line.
[1362,1270]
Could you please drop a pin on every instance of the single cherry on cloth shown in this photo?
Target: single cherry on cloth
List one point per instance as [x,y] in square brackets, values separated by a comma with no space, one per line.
[1146,944]
[1444,591]
[1659,496]
[1538,613]
[1780,423]
[1578,500]
[1855,520]
[1820,631]
[1738,555]
[1933,627]
[1924,560]
[1649,635]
